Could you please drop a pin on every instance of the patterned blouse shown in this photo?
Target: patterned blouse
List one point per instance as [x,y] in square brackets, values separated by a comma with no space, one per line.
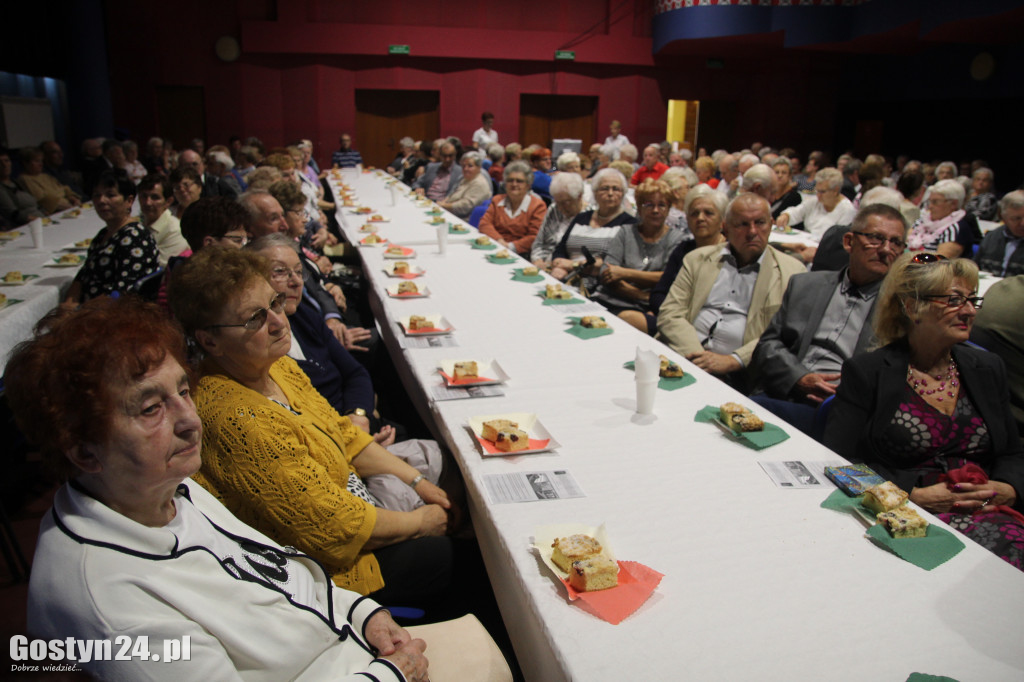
[925,438]
[117,263]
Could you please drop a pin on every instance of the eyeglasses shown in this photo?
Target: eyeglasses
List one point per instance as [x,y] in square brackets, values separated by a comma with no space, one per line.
[956,300]
[927,258]
[241,240]
[258,318]
[515,181]
[299,212]
[875,240]
[610,188]
[280,274]
[648,205]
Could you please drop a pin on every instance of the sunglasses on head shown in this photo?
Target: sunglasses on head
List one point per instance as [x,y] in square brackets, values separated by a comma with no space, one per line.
[925,258]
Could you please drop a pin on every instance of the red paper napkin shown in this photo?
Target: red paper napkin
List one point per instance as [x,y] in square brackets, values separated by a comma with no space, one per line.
[462,382]
[491,449]
[636,583]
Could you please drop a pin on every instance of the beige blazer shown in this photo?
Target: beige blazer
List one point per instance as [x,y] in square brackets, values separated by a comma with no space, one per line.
[693,284]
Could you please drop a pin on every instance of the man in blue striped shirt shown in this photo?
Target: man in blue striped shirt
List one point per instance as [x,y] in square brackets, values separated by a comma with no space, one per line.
[346,157]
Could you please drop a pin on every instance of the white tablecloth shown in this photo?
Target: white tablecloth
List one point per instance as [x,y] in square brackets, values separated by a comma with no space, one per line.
[39,296]
[760,582]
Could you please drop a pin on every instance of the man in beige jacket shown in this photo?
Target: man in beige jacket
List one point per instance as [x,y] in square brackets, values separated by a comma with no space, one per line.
[725,295]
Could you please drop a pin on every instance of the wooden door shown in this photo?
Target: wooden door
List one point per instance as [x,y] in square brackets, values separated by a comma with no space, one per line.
[383,117]
[181,112]
[543,118]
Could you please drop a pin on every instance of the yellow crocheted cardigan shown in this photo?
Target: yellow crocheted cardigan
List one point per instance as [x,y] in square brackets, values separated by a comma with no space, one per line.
[285,474]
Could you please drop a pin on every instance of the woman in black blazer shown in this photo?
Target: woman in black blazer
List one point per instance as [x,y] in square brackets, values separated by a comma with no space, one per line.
[931,414]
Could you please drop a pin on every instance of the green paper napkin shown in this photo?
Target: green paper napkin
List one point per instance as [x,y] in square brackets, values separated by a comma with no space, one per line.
[487,247]
[518,276]
[935,549]
[758,440]
[924,677]
[10,302]
[501,261]
[581,332]
[452,229]
[668,383]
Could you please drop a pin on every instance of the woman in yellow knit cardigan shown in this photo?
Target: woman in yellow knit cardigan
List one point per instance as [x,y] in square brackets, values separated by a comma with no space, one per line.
[282,459]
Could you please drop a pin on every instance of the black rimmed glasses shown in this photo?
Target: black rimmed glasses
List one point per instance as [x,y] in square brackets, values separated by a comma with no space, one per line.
[258,318]
[955,300]
[875,240]
[927,258]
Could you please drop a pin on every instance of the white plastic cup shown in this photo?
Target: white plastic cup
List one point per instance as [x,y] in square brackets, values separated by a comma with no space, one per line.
[442,238]
[35,227]
[645,392]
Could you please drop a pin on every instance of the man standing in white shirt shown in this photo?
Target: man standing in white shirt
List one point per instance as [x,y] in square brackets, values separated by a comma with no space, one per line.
[487,135]
[616,139]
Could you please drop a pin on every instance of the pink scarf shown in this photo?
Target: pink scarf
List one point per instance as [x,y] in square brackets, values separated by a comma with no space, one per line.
[925,230]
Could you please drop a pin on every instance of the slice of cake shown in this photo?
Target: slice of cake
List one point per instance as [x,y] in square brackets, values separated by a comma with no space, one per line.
[408,288]
[483,240]
[376,218]
[903,522]
[502,254]
[70,259]
[728,411]
[884,497]
[593,322]
[400,268]
[466,369]
[3,300]
[512,440]
[491,428]
[669,369]
[14,276]
[747,422]
[395,251]
[373,238]
[530,271]
[564,551]
[594,573]
[419,322]
[84,244]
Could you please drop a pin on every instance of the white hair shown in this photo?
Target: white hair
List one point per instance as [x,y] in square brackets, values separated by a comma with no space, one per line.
[628,152]
[950,189]
[831,177]
[565,158]
[752,159]
[406,142]
[610,151]
[570,183]
[882,195]
[221,158]
[609,173]
[1014,199]
[760,174]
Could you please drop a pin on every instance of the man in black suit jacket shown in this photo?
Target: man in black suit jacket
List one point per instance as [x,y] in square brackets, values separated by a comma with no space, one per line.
[212,185]
[825,319]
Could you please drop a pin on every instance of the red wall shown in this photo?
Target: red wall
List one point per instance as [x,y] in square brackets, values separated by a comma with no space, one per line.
[301,65]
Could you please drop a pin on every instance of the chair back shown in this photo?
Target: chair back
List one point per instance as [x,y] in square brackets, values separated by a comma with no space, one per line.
[478,213]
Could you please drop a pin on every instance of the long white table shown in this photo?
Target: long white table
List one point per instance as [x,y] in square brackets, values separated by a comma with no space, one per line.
[760,582]
[40,295]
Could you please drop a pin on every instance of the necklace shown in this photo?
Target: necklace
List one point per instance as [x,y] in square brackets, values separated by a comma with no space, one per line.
[925,389]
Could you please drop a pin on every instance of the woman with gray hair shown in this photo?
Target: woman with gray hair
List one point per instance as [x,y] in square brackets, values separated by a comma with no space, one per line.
[136,171]
[828,208]
[406,152]
[944,227]
[981,201]
[513,218]
[567,202]
[472,190]
[593,229]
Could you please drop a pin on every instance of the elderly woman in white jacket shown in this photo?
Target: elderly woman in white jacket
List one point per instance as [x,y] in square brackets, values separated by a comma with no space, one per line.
[474,189]
[828,207]
[134,551]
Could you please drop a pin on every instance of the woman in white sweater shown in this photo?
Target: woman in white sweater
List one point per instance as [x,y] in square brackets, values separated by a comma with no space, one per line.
[829,207]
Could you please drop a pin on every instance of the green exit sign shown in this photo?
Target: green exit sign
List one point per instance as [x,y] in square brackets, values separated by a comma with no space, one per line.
[398,49]
[565,54]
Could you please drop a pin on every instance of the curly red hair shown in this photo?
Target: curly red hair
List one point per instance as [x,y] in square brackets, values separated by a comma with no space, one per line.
[64,382]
